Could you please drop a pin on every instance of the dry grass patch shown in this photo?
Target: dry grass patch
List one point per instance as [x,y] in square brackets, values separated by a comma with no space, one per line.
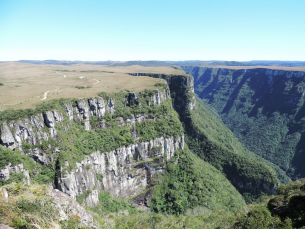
[25,85]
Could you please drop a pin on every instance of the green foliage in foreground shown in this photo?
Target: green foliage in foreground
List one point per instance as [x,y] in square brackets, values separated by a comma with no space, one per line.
[191,183]
[207,220]
[285,210]
[289,202]
[30,207]
[212,141]
[260,217]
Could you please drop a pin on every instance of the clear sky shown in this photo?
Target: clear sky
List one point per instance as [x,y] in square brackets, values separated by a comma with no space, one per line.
[152,30]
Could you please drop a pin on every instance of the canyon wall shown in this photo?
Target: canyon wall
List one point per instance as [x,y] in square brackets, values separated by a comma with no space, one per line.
[263,107]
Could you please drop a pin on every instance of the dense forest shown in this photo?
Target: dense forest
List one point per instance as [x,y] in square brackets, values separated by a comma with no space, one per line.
[263,108]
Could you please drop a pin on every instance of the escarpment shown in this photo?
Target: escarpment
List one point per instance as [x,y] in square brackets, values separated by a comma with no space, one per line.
[263,107]
[181,88]
[245,171]
[124,144]
[123,172]
[116,144]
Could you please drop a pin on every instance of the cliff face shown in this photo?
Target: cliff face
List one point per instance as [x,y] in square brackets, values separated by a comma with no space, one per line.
[9,169]
[181,89]
[263,107]
[208,138]
[123,171]
[42,127]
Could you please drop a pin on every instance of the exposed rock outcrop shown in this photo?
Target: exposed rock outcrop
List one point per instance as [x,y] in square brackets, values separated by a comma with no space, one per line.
[7,170]
[7,138]
[110,108]
[68,208]
[123,172]
[97,107]
[2,226]
[32,130]
[160,96]
[84,111]
[181,86]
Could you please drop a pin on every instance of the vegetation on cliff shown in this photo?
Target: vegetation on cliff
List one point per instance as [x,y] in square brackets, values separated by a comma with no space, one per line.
[195,191]
[207,137]
[190,183]
[38,173]
[283,210]
[264,108]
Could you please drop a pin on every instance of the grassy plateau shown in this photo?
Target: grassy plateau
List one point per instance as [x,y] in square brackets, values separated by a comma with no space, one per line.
[24,85]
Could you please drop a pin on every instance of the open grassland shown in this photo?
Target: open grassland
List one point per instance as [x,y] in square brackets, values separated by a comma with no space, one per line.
[24,85]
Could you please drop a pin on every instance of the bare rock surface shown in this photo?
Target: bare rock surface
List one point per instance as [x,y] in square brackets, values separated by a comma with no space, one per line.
[7,170]
[7,138]
[123,172]
[68,207]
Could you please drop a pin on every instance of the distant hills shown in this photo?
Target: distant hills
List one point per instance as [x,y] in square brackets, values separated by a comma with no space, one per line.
[155,63]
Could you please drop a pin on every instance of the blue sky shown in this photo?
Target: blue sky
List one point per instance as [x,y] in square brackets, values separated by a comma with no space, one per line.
[152,30]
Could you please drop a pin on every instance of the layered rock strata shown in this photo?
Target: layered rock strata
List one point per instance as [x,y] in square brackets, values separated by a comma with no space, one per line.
[42,127]
[123,172]
[181,89]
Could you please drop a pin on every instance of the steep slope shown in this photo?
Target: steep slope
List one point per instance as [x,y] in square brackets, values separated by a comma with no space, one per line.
[193,182]
[213,142]
[264,108]
[107,143]
[283,210]
[119,143]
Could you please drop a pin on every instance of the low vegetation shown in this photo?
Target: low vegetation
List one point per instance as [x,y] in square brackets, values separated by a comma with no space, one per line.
[30,206]
[283,210]
[26,84]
